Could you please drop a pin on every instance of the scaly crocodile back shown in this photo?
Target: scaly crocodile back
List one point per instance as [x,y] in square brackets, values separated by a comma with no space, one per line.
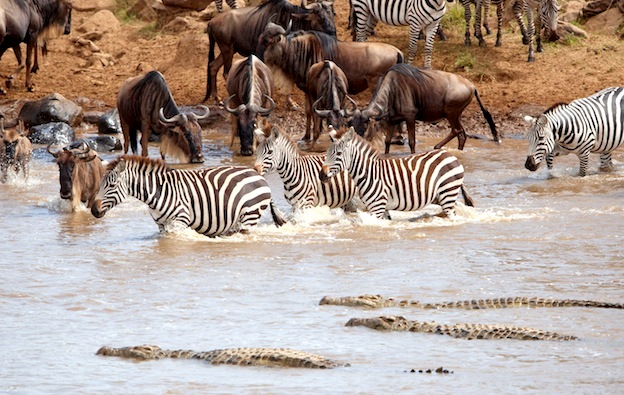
[460,331]
[273,357]
[378,301]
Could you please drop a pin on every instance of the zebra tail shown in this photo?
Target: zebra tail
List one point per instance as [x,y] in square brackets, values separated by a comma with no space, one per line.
[467,197]
[278,217]
[488,118]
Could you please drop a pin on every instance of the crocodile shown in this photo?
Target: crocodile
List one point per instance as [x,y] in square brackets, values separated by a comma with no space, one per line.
[247,356]
[460,331]
[378,301]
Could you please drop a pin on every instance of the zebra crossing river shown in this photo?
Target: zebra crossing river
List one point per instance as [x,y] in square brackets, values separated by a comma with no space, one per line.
[72,283]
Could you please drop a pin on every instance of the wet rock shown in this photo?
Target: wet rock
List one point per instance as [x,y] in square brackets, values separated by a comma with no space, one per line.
[109,122]
[92,117]
[55,133]
[52,108]
[104,143]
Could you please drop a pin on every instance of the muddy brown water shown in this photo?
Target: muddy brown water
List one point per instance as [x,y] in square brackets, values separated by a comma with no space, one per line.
[71,283]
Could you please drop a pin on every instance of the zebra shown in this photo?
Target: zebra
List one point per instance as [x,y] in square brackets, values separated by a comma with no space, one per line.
[593,124]
[404,184]
[417,14]
[548,10]
[219,4]
[212,201]
[300,173]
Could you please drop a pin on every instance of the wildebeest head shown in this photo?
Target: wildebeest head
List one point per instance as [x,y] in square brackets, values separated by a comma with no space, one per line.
[361,118]
[66,159]
[182,138]
[541,141]
[319,17]
[57,20]
[272,34]
[246,120]
[336,116]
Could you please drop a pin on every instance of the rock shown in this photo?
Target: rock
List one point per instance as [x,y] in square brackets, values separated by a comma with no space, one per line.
[93,5]
[52,108]
[572,11]
[178,25]
[92,117]
[102,21]
[564,28]
[104,143]
[195,5]
[605,23]
[109,122]
[55,133]
[143,10]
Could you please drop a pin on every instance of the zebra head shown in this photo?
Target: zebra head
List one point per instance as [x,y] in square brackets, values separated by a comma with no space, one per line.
[113,189]
[338,156]
[267,138]
[541,142]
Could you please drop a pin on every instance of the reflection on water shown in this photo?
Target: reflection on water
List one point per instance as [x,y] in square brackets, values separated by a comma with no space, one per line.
[72,283]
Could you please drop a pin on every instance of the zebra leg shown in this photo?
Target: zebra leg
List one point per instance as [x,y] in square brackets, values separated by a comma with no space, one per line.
[486,12]
[249,218]
[530,29]
[447,199]
[550,158]
[477,25]
[518,11]
[499,18]
[605,162]
[219,4]
[430,34]
[467,17]
[414,32]
[584,159]
[538,32]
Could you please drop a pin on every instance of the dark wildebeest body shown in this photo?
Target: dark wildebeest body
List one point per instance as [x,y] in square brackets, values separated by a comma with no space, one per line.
[250,86]
[326,95]
[15,151]
[237,31]
[145,105]
[409,94]
[293,54]
[80,172]
[33,22]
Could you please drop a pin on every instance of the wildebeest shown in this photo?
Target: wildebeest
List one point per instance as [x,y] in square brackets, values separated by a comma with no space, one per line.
[292,54]
[237,31]
[146,105]
[15,151]
[326,96]
[250,86]
[409,94]
[33,22]
[80,172]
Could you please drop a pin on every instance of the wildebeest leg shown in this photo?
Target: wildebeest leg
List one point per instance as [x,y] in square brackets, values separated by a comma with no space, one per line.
[145,135]
[458,131]
[125,127]
[213,70]
[309,118]
[18,56]
[292,105]
[30,47]
[233,128]
[411,135]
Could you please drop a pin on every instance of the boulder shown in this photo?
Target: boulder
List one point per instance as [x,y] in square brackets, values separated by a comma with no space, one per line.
[109,122]
[572,11]
[195,5]
[104,143]
[93,5]
[92,117]
[52,108]
[102,21]
[55,133]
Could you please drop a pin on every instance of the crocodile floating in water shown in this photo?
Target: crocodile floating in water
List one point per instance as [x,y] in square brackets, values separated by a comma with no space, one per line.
[273,357]
[460,331]
[378,301]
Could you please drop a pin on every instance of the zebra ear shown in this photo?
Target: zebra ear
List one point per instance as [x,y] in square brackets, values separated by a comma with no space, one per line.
[348,134]
[121,166]
[259,134]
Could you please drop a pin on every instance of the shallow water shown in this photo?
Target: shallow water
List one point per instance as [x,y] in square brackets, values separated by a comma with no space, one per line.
[72,283]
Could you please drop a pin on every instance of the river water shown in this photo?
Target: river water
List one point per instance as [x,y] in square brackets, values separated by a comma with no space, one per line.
[71,283]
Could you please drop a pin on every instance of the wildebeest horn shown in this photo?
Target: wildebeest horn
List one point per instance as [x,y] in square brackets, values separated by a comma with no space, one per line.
[235,111]
[320,113]
[204,115]
[165,120]
[81,149]
[288,27]
[54,151]
[267,111]
[376,112]
[353,105]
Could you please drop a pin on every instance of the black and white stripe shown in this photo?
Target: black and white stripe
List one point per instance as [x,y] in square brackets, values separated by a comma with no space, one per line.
[300,173]
[419,15]
[402,184]
[212,201]
[593,124]
[219,4]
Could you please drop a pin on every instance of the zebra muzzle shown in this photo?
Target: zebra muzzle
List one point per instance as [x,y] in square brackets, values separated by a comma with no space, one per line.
[324,173]
[530,164]
[258,169]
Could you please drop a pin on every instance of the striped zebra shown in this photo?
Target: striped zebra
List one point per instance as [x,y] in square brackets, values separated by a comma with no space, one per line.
[219,4]
[212,201]
[403,184]
[419,15]
[300,173]
[593,124]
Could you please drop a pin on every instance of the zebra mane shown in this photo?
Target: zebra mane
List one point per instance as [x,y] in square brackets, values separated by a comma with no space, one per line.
[358,140]
[140,161]
[554,107]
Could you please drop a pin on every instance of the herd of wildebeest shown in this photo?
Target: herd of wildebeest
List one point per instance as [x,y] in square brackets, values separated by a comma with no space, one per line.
[281,45]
